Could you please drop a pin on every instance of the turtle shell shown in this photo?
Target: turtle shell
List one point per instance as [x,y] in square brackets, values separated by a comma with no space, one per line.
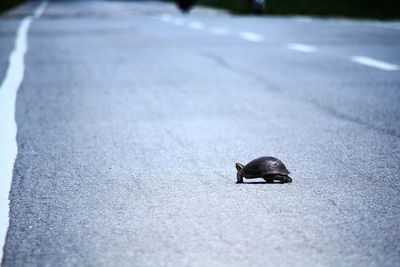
[265,166]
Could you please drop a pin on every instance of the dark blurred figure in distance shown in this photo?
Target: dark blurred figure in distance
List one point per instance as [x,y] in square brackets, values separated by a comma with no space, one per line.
[185,5]
[257,6]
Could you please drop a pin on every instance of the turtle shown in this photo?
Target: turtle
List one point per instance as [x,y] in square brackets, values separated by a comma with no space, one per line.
[268,168]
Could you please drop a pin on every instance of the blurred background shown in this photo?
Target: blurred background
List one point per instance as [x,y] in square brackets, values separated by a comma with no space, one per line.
[378,9]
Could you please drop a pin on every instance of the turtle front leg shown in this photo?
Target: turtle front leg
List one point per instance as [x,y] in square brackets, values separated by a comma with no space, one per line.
[284,179]
[239,178]
[268,180]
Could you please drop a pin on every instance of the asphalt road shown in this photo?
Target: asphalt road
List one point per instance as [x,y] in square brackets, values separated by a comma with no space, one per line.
[131,117]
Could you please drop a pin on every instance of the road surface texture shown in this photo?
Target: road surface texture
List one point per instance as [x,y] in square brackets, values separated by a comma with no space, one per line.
[131,118]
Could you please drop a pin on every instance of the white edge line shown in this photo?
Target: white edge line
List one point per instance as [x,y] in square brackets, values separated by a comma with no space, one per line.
[40,9]
[8,94]
[367,61]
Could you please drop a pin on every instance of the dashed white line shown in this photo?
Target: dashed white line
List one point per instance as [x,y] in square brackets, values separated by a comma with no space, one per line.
[196,25]
[301,47]
[177,21]
[253,37]
[166,17]
[218,31]
[8,93]
[375,63]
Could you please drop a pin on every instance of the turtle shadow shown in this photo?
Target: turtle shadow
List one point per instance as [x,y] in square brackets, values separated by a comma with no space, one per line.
[277,182]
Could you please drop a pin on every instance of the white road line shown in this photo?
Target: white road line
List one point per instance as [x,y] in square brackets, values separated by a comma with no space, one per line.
[375,63]
[8,94]
[166,17]
[40,9]
[196,25]
[177,21]
[301,47]
[218,31]
[253,37]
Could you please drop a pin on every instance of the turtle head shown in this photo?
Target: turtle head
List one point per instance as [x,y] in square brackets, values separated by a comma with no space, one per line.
[239,167]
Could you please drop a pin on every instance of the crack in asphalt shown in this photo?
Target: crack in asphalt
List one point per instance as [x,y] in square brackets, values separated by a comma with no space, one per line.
[345,117]
[223,63]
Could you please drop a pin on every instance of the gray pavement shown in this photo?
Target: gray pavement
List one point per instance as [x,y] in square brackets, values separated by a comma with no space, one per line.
[130,123]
